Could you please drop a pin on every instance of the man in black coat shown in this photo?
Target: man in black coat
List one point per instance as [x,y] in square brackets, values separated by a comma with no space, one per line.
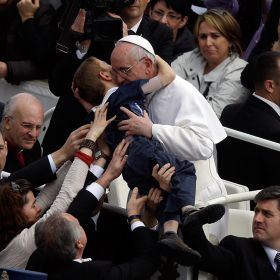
[239,258]
[242,162]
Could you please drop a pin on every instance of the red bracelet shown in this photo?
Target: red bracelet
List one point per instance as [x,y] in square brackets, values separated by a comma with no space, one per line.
[84,157]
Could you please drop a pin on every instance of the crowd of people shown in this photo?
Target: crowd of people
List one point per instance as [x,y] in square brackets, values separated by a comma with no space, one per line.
[147,105]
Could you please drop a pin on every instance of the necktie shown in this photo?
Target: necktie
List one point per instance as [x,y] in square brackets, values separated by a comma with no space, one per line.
[20,158]
[131,32]
[277,261]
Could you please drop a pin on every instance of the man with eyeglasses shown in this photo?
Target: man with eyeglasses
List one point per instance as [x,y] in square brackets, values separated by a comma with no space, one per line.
[174,14]
[22,120]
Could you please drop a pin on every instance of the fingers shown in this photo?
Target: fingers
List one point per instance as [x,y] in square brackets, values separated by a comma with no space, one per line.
[128,112]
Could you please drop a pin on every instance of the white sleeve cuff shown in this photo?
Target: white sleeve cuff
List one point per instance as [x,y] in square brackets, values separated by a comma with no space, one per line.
[96,190]
[80,55]
[52,164]
[136,224]
[96,170]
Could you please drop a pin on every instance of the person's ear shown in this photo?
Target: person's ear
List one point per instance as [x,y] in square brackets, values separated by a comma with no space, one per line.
[6,122]
[79,244]
[105,75]
[149,66]
[269,85]
[183,22]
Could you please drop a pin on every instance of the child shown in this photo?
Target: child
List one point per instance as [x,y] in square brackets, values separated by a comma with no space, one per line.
[94,82]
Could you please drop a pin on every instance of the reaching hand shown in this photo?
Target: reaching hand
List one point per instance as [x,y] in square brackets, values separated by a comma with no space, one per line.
[118,161]
[154,199]
[100,122]
[163,175]
[136,125]
[135,203]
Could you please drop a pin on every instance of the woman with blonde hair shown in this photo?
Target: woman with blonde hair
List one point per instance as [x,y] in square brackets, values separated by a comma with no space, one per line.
[214,68]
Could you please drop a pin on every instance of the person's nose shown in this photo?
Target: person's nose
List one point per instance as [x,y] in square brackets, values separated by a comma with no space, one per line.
[208,41]
[38,208]
[34,132]
[120,79]
[258,217]
[164,19]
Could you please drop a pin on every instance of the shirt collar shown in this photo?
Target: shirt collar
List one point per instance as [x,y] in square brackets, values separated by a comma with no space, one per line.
[106,97]
[271,253]
[274,106]
[136,26]
[81,260]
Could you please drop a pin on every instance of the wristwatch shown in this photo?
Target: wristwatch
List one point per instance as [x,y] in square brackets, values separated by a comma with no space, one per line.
[87,143]
[99,154]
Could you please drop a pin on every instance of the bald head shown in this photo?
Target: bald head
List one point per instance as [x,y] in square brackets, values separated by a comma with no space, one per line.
[22,120]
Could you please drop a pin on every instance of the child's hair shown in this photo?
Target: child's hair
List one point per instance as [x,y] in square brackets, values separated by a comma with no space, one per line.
[86,79]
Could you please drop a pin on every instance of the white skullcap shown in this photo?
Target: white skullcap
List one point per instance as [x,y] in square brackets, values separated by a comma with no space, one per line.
[139,41]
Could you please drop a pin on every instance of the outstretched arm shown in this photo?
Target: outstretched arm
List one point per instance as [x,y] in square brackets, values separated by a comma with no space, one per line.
[164,77]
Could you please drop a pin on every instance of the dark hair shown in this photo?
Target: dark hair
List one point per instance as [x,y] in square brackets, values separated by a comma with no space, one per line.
[182,7]
[266,67]
[225,23]
[12,199]
[56,238]
[86,79]
[272,192]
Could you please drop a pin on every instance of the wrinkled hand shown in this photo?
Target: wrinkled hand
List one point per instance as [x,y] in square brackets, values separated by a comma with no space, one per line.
[136,125]
[74,141]
[3,69]
[135,204]
[27,8]
[163,175]
[100,123]
[79,22]
[118,161]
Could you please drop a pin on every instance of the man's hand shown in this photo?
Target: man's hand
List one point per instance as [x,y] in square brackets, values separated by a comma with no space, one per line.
[27,8]
[136,125]
[71,145]
[3,69]
[163,175]
[135,204]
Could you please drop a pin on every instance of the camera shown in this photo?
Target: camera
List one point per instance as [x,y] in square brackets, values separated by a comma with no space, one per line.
[98,27]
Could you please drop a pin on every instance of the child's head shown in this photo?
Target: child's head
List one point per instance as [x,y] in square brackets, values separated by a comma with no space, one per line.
[89,80]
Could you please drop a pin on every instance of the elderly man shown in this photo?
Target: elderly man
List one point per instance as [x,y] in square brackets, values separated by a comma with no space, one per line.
[181,119]
[239,258]
[22,120]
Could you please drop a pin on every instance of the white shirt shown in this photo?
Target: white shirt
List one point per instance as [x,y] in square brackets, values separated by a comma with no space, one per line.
[225,85]
[271,253]
[274,106]
[184,122]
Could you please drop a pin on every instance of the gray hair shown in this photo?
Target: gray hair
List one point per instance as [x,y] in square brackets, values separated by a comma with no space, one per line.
[272,192]
[56,237]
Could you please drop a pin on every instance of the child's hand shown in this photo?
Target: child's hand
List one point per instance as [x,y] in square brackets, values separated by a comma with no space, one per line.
[100,122]
[154,199]
[163,175]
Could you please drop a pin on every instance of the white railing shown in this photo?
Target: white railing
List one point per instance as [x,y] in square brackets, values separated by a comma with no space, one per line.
[252,139]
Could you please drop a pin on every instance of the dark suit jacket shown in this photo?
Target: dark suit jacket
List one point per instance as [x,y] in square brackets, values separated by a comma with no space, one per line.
[235,258]
[12,162]
[37,173]
[247,163]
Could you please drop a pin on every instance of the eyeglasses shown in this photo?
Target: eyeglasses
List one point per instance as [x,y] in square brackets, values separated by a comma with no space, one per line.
[160,14]
[125,70]
[27,126]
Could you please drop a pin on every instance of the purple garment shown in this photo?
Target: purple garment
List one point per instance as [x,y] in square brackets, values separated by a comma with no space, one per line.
[230,5]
